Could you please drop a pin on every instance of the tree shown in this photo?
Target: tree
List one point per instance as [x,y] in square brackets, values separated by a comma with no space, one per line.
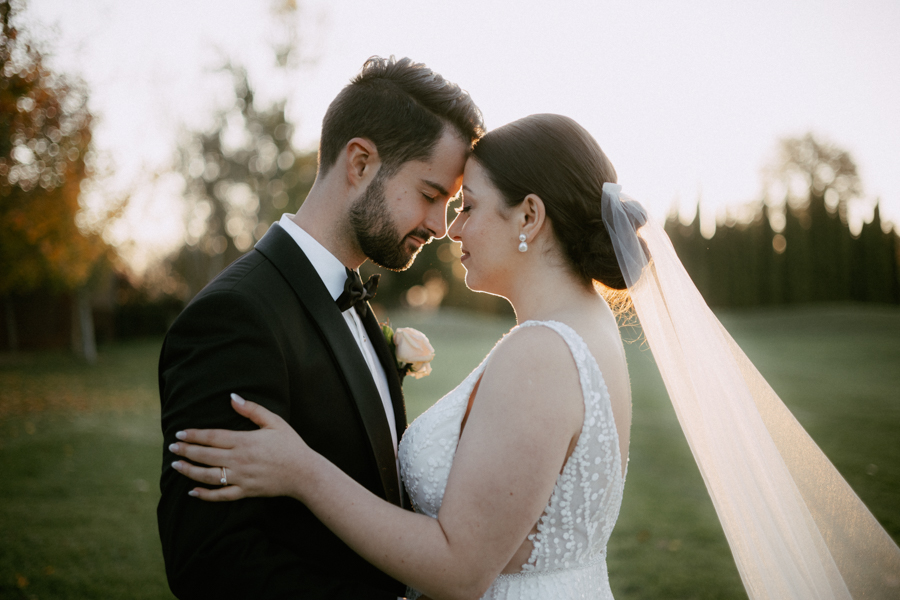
[243,173]
[240,176]
[874,269]
[818,180]
[810,255]
[45,137]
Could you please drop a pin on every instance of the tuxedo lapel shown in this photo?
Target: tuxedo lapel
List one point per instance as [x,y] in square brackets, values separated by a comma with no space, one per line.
[389,364]
[279,248]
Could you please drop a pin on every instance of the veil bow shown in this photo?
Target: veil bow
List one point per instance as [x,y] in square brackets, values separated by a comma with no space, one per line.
[795,528]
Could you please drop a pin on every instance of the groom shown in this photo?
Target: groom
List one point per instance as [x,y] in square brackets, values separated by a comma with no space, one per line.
[279,327]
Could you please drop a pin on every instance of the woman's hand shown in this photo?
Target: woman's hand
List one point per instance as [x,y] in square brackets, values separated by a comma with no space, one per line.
[264,462]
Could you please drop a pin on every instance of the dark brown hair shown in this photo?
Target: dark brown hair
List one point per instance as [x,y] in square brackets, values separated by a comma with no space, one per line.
[558,160]
[400,106]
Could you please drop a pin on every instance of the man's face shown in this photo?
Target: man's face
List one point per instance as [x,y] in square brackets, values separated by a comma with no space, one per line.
[395,216]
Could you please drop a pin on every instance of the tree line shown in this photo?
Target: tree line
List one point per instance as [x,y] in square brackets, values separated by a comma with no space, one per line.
[60,282]
[811,255]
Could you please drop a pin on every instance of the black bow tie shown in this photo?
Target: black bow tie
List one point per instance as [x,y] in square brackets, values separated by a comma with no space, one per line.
[356,293]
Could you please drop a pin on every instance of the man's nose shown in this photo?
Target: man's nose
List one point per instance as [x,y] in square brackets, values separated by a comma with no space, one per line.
[436,221]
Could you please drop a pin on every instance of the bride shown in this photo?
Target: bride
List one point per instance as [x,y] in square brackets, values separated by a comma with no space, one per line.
[516,476]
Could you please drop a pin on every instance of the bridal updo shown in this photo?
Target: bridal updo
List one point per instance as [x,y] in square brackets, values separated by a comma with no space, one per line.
[558,160]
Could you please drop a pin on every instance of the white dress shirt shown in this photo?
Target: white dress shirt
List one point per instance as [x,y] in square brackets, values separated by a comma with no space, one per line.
[333,275]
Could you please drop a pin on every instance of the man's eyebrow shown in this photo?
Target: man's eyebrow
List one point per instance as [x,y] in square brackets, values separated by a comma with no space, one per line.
[436,186]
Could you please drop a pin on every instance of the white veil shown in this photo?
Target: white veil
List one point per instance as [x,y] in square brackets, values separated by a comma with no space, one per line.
[794,526]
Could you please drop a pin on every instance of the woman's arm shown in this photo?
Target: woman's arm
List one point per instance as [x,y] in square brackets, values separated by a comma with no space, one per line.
[529,409]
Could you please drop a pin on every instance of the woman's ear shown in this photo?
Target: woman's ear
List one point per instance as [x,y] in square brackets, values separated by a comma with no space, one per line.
[532,215]
[362,161]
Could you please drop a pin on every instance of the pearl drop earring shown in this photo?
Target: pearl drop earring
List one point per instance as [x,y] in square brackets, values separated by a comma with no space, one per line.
[523,245]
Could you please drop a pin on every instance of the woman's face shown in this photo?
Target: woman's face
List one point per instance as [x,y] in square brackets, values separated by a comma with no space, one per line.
[488,240]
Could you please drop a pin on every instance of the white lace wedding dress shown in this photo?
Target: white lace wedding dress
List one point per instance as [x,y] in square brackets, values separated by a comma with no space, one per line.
[569,556]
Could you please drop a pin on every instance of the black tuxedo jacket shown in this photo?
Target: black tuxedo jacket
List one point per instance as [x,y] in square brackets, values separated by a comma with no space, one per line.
[267,329]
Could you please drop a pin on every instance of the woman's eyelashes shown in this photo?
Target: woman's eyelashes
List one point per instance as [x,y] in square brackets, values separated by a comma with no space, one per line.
[462,209]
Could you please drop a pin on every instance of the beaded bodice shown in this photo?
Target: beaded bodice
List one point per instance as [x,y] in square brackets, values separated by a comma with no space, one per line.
[574,528]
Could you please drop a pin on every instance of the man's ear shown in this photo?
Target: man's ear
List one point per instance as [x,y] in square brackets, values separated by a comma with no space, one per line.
[362,161]
[531,214]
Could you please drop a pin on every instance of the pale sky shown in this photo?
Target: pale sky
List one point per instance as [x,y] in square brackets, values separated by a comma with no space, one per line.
[686,98]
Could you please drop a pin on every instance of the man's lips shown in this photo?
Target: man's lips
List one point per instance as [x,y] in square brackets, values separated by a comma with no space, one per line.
[419,238]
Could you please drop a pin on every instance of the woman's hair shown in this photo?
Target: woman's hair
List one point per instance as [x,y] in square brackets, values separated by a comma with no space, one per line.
[558,160]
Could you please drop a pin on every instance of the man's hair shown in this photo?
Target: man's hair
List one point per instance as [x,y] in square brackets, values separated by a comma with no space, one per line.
[400,106]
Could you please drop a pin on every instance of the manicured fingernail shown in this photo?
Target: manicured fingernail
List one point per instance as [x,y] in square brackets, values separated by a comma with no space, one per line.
[193,493]
[237,399]
[181,435]
[173,447]
[176,465]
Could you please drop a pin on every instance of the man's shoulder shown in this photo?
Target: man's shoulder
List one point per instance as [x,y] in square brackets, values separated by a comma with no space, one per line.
[241,275]
[250,283]
[276,262]
[253,279]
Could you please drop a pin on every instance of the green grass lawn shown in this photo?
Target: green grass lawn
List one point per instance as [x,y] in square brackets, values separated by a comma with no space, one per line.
[80,461]
[837,369]
[80,452]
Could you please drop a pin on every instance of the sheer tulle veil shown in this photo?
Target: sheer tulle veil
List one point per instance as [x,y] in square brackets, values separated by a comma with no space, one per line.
[794,526]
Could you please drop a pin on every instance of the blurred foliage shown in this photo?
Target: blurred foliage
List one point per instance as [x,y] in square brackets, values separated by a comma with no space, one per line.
[240,177]
[796,246]
[45,138]
[50,248]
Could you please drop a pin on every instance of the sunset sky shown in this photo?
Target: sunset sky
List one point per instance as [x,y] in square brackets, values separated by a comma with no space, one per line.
[687,99]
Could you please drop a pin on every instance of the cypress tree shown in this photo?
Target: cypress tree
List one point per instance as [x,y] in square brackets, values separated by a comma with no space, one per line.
[876,258]
[815,258]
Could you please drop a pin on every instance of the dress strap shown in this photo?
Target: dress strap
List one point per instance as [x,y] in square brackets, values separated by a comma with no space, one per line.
[590,376]
[577,346]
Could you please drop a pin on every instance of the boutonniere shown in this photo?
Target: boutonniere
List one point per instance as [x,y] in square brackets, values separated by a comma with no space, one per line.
[412,351]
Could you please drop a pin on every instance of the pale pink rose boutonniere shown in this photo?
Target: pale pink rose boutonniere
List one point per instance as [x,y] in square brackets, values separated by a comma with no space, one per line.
[412,350]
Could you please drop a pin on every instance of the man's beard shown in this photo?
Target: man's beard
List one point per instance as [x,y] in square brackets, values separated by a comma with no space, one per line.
[376,233]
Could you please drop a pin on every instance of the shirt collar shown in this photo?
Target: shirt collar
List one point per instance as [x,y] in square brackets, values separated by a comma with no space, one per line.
[331,271]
